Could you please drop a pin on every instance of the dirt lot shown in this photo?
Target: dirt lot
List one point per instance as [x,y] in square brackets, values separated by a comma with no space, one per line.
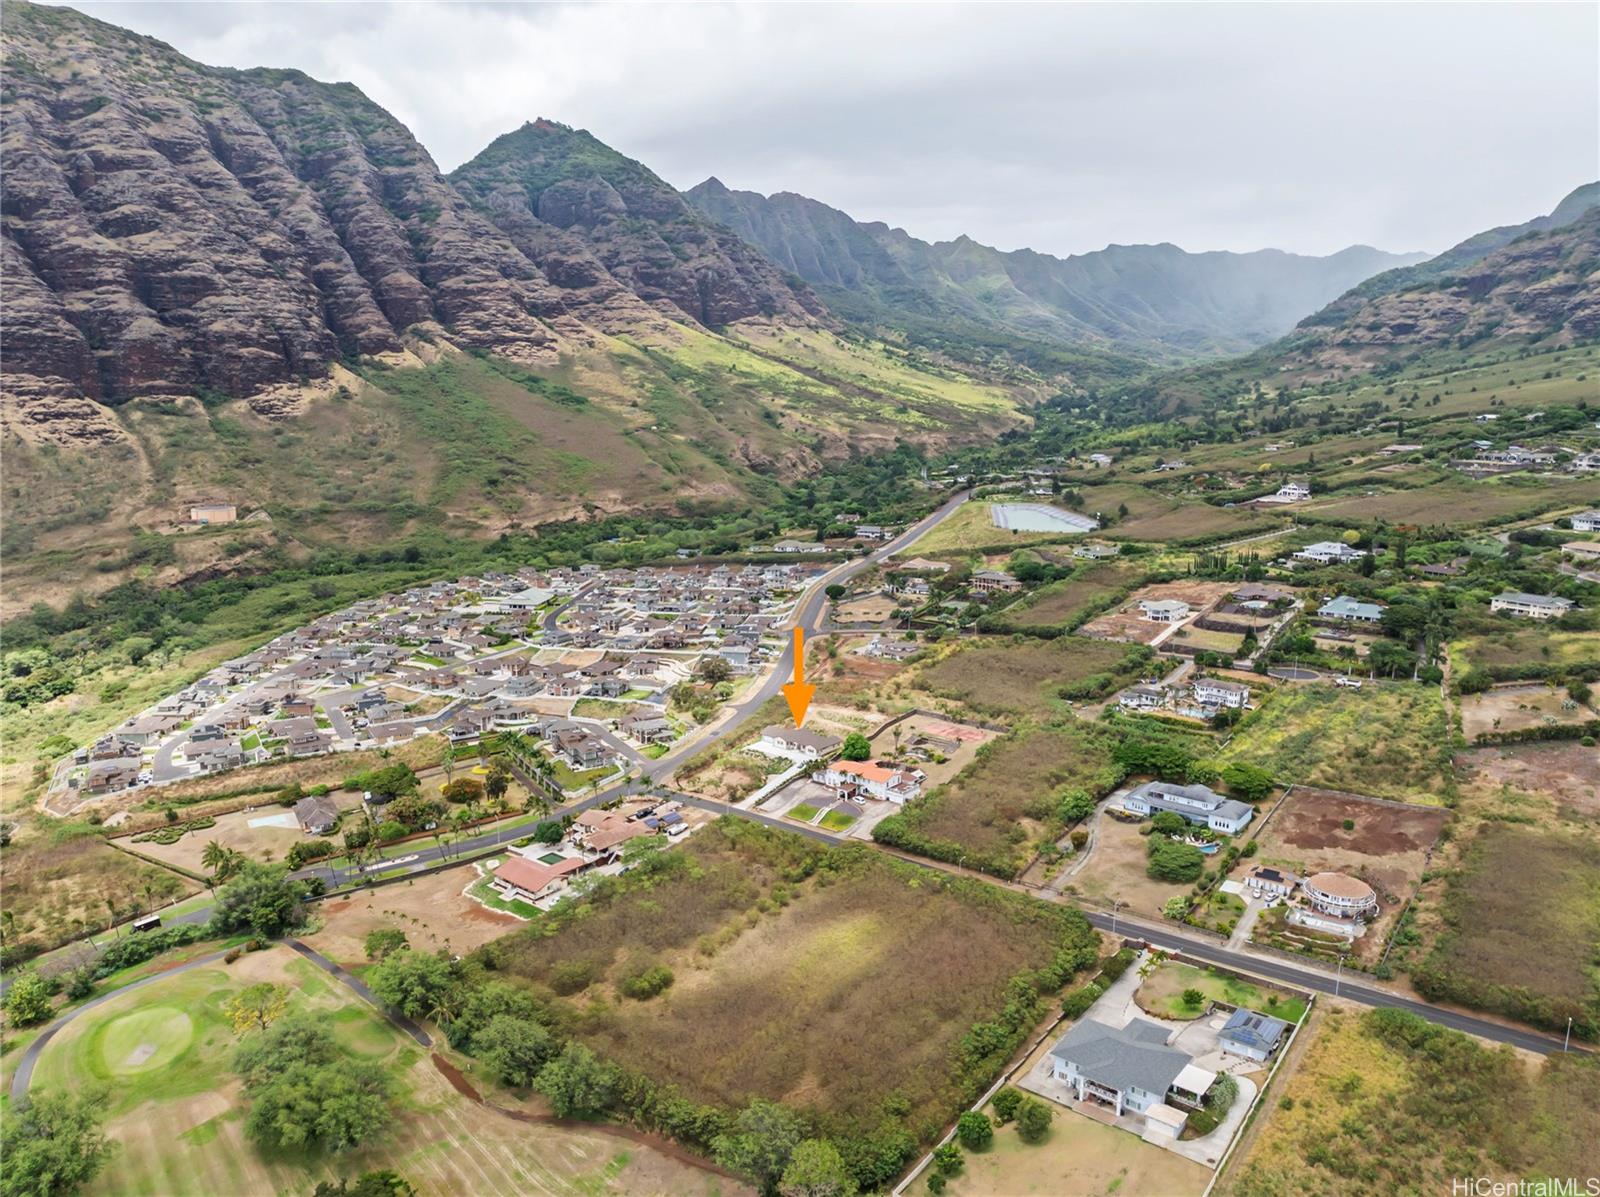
[873,608]
[1517,707]
[999,677]
[1565,771]
[432,911]
[1115,868]
[1125,623]
[1389,847]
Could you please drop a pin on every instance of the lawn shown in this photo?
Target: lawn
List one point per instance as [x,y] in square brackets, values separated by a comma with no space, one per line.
[1001,677]
[569,778]
[1390,741]
[175,1109]
[837,820]
[1161,993]
[819,976]
[480,891]
[805,812]
[1383,1103]
[997,809]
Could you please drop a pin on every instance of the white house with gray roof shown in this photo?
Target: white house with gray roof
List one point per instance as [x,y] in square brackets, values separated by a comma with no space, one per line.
[1198,804]
[1531,606]
[1130,1069]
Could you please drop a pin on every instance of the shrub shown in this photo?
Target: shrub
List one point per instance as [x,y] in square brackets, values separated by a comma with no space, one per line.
[1005,1104]
[572,976]
[974,1130]
[1033,1119]
[646,983]
[1076,1004]
[947,1159]
[1171,860]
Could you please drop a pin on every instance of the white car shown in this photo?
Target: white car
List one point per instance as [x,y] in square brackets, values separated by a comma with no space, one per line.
[1352,683]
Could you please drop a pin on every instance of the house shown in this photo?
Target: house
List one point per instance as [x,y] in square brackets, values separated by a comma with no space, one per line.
[1291,492]
[871,532]
[1142,698]
[213,512]
[1196,803]
[850,779]
[1329,552]
[316,815]
[1215,692]
[1585,550]
[1099,460]
[1131,1069]
[994,581]
[583,750]
[1346,608]
[530,599]
[1530,606]
[1096,552]
[799,546]
[924,565]
[523,880]
[810,744]
[1340,895]
[1164,610]
[1251,1035]
[604,830]
[117,774]
[148,728]
[646,728]
[1271,882]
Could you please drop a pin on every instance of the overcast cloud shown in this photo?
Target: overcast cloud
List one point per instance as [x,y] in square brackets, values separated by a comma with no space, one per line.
[1061,128]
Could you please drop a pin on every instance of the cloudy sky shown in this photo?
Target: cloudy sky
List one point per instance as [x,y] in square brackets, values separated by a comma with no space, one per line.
[1058,127]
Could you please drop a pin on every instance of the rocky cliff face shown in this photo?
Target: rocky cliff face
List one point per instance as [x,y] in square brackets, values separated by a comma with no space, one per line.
[1544,286]
[557,191]
[1156,300]
[171,228]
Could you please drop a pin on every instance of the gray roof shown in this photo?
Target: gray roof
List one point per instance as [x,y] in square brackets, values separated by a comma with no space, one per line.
[1154,792]
[1132,1057]
[1256,1030]
[1534,600]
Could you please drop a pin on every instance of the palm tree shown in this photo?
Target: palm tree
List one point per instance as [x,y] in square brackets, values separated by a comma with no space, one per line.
[111,909]
[213,856]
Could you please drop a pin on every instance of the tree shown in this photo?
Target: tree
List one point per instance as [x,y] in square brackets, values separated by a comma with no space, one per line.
[382,1183]
[816,1169]
[714,670]
[463,791]
[1250,782]
[28,1000]
[256,1007]
[513,1049]
[499,779]
[763,1138]
[974,1130]
[411,982]
[261,898]
[856,747]
[576,1082]
[51,1144]
[1167,822]
[1193,997]
[1005,1104]
[1076,805]
[835,591]
[1033,1119]
[1172,860]
[383,941]
[305,1092]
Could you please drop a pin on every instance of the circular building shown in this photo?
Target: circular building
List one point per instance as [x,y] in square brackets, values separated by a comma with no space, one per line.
[1339,894]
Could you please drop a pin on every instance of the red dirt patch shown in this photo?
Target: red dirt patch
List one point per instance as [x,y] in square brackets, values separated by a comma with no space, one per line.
[1315,819]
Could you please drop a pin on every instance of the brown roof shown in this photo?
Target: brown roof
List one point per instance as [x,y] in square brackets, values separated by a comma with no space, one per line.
[532,876]
[1338,885]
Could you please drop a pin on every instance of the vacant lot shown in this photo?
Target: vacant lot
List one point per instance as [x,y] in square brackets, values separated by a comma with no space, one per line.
[1373,1111]
[907,741]
[1060,602]
[1000,807]
[831,993]
[971,527]
[1511,652]
[175,1107]
[1520,916]
[1513,708]
[872,608]
[1387,846]
[1564,771]
[1193,520]
[432,911]
[1161,993]
[1391,741]
[1127,623]
[58,877]
[275,830]
[1006,678]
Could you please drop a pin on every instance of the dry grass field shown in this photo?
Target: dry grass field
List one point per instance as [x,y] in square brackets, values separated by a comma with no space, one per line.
[433,911]
[1000,677]
[1369,1113]
[1519,644]
[997,809]
[1115,871]
[831,993]
[1565,772]
[1194,520]
[1462,502]
[1518,707]
[266,842]
[1390,741]
[871,608]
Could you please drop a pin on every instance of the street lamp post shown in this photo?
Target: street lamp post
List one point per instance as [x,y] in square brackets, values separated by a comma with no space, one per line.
[1115,906]
[1338,974]
[1566,1044]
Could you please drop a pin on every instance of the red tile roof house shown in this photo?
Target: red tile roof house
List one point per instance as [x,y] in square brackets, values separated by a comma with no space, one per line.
[604,831]
[852,778]
[522,880]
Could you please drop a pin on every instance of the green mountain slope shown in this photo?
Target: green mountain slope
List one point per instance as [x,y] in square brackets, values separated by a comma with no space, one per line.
[1154,300]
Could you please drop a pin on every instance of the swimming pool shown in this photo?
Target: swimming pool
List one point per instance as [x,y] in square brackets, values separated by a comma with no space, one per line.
[1039,517]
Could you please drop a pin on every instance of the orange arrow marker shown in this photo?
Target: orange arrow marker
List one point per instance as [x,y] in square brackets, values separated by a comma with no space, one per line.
[799,691]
